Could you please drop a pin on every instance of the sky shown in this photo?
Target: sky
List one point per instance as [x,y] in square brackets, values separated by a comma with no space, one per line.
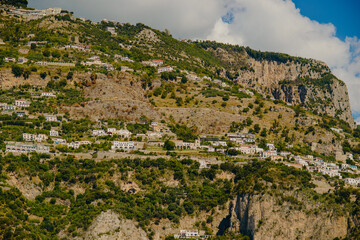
[327,30]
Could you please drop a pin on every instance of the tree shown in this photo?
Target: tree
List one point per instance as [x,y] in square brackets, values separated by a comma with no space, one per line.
[17,70]
[263,132]
[33,46]
[169,145]
[26,74]
[56,54]
[43,75]
[70,75]
[46,53]
[257,128]
[184,80]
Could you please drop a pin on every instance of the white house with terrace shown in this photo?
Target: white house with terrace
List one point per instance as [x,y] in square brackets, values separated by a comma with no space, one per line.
[51,118]
[99,133]
[34,137]
[54,133]
[123,145]
[22,103]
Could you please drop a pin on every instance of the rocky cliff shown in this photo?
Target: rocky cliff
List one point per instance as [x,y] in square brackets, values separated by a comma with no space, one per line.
[265,217]
[293,80]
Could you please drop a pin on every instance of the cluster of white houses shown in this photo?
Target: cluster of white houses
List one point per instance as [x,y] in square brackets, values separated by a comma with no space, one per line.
[77,144]
[35,137]
[77,47]
[21,103]
[60,64]
[123,133]
[26,148]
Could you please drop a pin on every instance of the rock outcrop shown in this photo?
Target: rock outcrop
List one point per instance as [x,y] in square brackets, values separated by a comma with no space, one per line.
[108,225]
[261,217]
[307,82]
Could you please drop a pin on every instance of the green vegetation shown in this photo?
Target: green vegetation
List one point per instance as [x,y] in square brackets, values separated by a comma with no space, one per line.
[184,133]
[199,190]
[16,3]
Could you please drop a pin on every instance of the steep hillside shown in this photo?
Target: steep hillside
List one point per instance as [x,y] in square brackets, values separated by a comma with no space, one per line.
[306,82]
[293,80]
[119,131]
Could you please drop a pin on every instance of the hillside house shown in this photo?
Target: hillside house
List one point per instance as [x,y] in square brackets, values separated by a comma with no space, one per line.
[186,234]
[123,145]
[48,94]
[34,137]
[7,59]
[22,60]
[54,133]
[20,114]
[270,146]
[24,50]
[59,141]
[22,103]
[124,133]
[352,181]
[51,118]
[126,69]
[99,133]
[9,108]
[22,148]
[157,62]
[155,143]
[331,173]
[111,30]
[165,69]
[77,144]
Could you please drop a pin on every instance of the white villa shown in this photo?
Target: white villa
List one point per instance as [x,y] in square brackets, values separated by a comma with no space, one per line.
[123,145]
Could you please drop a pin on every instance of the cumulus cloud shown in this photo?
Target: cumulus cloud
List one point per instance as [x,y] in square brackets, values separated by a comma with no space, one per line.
[186,18]
[268,25]
[276,25]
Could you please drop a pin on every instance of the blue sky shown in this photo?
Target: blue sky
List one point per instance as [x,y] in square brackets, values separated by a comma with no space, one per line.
[344,14]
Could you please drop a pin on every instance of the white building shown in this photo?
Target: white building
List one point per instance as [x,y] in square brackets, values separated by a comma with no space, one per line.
[54,133]
[51,118]
[123,145]
[23,148]
[112,30]
[34,137]
[331,173]
[9,108]
[48,94]
[270,146]
[352,181]
[20,114]
[22,60]
[99,133]
[77,144]
[350,156]
[22,103]
[111,130]
[165,69]
[124,133]
[284,154]
[186,234]
[59,141]
[9,59]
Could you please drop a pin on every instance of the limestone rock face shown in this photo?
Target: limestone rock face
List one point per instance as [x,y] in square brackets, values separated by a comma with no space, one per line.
[308,82]
[109,226]
[261,217]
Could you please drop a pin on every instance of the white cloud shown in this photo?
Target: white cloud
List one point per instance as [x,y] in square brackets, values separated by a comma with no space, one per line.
[186,18]
[276,25]
[269,25]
